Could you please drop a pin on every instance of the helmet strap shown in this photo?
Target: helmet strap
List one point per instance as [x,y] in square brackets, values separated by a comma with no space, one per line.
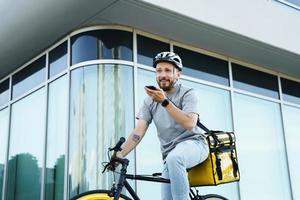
[174,69]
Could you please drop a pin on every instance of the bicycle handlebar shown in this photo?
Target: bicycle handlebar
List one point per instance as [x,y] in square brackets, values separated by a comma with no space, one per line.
[113,159]
[118,145]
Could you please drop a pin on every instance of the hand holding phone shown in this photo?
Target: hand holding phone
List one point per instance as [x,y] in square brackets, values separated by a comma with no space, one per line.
[151,87]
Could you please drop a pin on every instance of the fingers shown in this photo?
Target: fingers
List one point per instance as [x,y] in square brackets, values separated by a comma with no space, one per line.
[113,166]
[157,95]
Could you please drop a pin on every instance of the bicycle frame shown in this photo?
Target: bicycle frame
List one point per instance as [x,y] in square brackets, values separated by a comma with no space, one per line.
[143,178]
[124,183]
[116,192]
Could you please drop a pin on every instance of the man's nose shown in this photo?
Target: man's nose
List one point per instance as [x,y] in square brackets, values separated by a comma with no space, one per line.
[162,74]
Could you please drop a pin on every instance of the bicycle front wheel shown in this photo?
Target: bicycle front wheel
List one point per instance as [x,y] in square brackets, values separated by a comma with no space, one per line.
[213,197]
[97,195]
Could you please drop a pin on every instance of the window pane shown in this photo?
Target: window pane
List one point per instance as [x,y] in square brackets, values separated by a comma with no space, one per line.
[56,139]
[147,49]
[290,90]
[203,67]
[29,77]
[3,144]
[102,44]
[84,48]
[254,81]
[115,44]
[101,111]
[4,92]
[260,147]
[215,113]
[292,127]
[26,147]
[58,59]
[149,147]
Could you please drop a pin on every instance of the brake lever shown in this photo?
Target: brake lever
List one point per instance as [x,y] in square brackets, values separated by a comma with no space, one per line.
[112,167]
[105,167]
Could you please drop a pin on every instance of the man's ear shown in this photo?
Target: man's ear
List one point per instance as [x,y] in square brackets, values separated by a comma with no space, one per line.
[178,73]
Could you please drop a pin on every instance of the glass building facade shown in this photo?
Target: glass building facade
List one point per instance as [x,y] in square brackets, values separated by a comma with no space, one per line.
[61,112]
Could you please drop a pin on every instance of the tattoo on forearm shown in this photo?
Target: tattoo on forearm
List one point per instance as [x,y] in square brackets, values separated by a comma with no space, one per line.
[136,138]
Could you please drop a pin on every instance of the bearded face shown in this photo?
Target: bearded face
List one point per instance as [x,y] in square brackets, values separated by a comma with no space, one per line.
[166,75]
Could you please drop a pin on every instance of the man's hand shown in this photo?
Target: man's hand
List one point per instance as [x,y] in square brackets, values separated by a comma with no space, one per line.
[157,95]
[114,165]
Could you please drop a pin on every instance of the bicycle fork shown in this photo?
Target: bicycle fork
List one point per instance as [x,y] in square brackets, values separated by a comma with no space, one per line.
[123,182]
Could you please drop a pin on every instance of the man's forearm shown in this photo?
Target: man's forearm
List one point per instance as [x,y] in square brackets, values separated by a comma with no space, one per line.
[186,120]
[132,141]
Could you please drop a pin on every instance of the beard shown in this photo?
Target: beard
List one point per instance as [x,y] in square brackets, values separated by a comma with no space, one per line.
[166,85]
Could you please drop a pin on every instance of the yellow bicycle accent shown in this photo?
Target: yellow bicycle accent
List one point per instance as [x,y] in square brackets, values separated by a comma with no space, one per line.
[97,197]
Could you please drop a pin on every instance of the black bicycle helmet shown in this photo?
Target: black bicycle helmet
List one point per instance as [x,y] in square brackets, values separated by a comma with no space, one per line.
[170,57]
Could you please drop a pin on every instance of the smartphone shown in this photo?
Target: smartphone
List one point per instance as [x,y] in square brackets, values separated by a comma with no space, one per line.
[151,87]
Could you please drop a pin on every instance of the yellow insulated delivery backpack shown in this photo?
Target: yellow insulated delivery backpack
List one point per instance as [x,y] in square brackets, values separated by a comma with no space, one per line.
[221,166]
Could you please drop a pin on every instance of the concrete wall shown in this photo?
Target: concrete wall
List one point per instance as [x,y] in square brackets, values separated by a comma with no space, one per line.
[264,20]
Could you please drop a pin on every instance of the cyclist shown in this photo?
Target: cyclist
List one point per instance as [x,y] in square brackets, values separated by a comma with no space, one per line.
[174,110]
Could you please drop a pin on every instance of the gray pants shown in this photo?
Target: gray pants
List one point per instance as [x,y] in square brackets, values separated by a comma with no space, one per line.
[185,155]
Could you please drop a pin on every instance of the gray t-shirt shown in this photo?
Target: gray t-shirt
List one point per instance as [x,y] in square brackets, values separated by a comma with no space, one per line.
[169,132]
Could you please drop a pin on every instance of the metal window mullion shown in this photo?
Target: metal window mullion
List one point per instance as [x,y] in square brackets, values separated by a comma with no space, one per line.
[4,106]
[103,61]
[32,90]
[291,104]
[57,76]
[171,44]
[42,195]
[66,177]
[233,112]
[259,96]
[4,187]
[135,95]
[284,138]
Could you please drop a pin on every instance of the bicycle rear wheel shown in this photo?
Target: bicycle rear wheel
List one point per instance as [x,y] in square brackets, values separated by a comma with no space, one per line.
[97,195]
[213,197]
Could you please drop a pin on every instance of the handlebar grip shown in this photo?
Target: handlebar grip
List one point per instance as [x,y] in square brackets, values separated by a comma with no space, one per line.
[118,145]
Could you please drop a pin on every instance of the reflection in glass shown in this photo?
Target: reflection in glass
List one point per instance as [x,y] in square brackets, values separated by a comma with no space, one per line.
[290,90]
[101,111]
[203,67]
[102,44]
[147,49]
[29,77]
[26,147]
[84,48]
[58,59]
[260,147]
[292,126]
[56,139]
[3,144]
[255,81]
[4,92]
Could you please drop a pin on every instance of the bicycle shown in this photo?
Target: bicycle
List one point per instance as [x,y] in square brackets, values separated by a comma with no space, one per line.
[115,192]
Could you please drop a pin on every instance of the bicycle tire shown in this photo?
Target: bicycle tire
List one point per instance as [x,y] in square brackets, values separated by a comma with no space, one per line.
[97,195]
[213,197]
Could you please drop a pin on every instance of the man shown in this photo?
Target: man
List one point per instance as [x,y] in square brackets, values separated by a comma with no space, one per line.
[174,110]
